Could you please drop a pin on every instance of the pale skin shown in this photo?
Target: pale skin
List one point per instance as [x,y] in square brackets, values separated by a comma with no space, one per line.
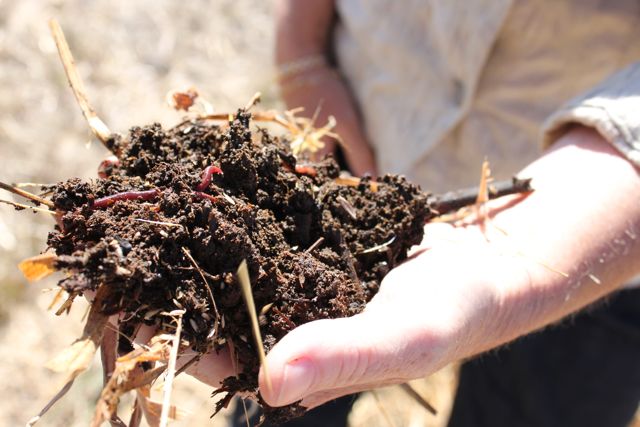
[302,30]
[476,284]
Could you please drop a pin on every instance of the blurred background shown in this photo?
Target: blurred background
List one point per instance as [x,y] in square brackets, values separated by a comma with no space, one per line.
[130,54]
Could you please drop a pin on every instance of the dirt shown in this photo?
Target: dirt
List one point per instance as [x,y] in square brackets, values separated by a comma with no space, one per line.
[169,223]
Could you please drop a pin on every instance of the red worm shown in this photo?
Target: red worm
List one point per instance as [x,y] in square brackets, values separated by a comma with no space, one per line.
[202,195]
[107,164]
[206,177]
[127,195]
[306,170]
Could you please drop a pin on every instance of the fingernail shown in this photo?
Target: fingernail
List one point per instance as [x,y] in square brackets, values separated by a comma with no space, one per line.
[297,380]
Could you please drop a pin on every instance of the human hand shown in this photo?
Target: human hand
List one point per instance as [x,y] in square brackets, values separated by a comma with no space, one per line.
[539,258]
[303,34]
[438,307]
[322,88]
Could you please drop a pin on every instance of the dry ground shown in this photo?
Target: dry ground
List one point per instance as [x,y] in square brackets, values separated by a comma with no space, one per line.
[130,54]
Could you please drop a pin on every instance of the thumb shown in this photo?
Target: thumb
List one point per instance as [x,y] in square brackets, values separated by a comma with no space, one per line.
[345,353]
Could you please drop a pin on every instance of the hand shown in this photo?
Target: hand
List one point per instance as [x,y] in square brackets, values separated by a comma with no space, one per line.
[303,30]
[325,90]
[429,311]
[569,243]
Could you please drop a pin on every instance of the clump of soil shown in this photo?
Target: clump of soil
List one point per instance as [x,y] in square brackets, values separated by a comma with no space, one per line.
[170,222]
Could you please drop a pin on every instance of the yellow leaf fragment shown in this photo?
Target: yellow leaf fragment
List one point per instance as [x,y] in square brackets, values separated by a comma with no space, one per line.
[38,267]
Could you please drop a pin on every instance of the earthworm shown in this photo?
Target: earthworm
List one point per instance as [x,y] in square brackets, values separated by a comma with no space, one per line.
[306,170]
[104,169]
[127,195]
[202,195]
[206,177]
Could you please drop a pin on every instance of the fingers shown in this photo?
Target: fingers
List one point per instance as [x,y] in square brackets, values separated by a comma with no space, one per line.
[351,354]
[144,334]
[211,369]
[360,157]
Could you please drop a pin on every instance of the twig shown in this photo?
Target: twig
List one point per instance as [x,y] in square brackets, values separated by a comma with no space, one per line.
[197,267]
[27,195]
[348,207]
[33,208]
[52,402]
[259,116]
[418,398]
[382,409]
[378,247]
[454,200]
[191,361]
[30,184]
[98,127]
[246,414]
[168,224]
[315,244]
[245,284]
[254,100]
[171,370]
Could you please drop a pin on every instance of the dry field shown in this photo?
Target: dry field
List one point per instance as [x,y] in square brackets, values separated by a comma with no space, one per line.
[130,54]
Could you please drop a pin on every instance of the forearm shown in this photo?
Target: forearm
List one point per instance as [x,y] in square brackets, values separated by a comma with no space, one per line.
[576,235]
[331,96]
[307,79]
[302,28]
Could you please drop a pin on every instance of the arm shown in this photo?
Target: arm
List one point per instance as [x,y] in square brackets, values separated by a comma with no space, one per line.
[472,290]
[302,35]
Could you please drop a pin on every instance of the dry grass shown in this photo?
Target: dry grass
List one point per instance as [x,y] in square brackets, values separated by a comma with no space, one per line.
[130,54]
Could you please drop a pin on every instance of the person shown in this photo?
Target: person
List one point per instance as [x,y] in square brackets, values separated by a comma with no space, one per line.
[547,90]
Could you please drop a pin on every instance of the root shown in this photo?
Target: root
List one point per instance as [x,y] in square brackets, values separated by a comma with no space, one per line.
[454,200]
[406,387]
[171,371]
[27,195]
[98,127]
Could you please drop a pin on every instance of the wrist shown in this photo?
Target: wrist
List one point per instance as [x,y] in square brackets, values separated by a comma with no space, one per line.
[293,79]
[573,236]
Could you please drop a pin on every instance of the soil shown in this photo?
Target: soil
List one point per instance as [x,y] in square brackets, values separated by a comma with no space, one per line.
[162,236]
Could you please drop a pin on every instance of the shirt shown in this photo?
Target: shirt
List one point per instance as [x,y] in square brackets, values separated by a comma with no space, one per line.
[443,84]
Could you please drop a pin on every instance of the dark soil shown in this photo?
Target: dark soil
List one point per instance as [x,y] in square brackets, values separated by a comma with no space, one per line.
[263,208]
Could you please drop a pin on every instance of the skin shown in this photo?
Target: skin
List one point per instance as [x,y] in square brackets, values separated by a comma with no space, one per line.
[302,30]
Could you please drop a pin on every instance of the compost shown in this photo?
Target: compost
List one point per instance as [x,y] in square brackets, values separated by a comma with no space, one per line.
[171,220]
